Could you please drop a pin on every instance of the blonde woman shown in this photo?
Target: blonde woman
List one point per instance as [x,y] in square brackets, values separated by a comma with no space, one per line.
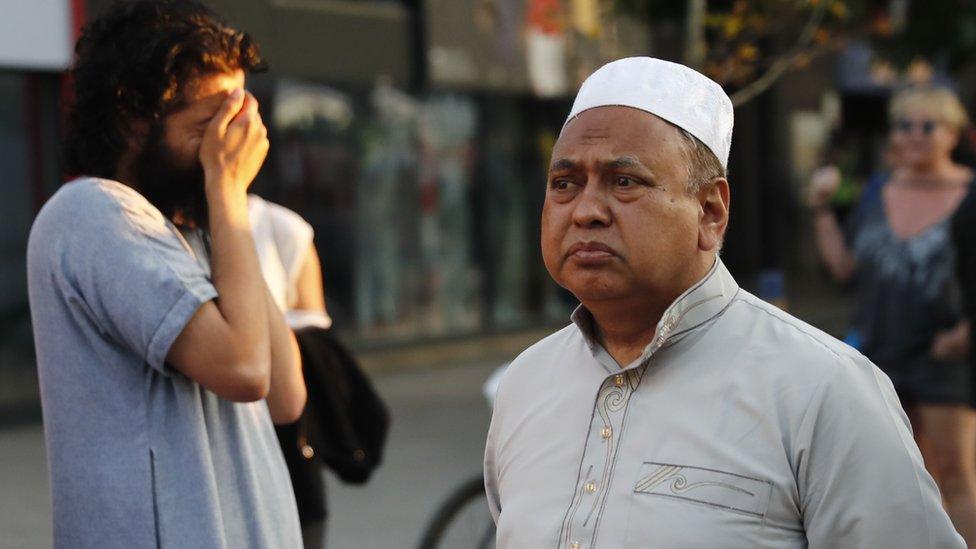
[898,247]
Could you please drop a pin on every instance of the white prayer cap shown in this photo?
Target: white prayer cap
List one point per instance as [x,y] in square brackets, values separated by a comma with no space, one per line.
[676,93]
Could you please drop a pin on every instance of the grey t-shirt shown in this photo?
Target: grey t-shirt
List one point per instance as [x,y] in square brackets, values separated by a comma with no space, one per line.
[139,454]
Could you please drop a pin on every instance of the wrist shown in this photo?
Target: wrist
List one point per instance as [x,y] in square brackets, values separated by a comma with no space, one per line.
[226,203]
[223,187]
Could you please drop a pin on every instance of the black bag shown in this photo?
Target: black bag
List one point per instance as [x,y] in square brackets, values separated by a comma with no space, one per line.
[305,469]
[345,423]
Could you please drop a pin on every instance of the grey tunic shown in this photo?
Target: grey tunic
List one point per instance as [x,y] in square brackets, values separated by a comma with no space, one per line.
[738,427]
[140,455]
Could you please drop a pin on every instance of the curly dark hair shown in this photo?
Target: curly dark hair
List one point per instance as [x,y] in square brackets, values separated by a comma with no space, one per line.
[132,65]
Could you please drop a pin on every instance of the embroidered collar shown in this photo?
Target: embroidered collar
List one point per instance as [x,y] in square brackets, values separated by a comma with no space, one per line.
[696,306]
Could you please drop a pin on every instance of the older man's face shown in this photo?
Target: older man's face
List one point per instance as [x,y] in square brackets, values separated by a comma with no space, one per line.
[618,222]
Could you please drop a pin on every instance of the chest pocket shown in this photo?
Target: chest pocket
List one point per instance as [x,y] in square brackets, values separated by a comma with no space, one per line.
[703,486]
[688,507]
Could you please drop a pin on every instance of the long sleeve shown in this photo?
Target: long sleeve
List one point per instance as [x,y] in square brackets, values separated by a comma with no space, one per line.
[861,478]
[491,475]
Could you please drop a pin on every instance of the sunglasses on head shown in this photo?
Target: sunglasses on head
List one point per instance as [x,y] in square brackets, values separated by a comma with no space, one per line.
[904,125]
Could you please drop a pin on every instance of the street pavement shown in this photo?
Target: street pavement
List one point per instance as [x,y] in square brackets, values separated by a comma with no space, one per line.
[436,442]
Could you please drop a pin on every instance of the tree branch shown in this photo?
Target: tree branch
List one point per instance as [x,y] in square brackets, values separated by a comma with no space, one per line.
[784,63]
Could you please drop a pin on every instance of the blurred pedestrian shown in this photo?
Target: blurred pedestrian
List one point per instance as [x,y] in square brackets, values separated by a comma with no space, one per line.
[678,410]
[163,359]
[897,246]
[828,181]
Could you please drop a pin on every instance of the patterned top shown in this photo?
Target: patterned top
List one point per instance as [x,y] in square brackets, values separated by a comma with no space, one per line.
[738,426]
[907,291]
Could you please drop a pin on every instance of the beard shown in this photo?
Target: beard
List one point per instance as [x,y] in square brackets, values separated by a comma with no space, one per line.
[173,187]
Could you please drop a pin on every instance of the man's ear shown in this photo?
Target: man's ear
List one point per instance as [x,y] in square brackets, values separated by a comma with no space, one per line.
[713,218]
[136,136]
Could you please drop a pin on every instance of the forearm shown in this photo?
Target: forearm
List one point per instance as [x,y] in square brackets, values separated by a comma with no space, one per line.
[831,246]
[226,346]
[286,398]
[238,279]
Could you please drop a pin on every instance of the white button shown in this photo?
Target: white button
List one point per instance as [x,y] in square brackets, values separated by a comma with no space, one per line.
[590,487]
[618,380]
[606,432]
[574,545]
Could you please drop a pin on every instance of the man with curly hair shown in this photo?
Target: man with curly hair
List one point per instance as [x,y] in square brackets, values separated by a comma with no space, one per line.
[163,359]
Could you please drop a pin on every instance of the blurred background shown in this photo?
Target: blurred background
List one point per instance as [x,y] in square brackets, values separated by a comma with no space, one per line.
[414,136]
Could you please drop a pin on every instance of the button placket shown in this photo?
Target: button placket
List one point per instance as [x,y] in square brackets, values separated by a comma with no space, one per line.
[598,456]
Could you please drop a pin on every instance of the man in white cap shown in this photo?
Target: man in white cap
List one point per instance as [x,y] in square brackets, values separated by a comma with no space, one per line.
[679,410]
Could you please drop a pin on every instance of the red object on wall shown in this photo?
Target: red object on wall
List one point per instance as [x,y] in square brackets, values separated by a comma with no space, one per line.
[79,11]
[545,16]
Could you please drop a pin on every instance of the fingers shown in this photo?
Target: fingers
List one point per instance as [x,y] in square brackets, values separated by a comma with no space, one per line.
[250,104]
[228,111]
[256,129]
[236,144]
[248,118]
[832,173]
[825,179]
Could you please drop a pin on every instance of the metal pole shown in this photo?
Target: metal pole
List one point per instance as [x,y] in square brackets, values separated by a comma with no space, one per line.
[695,33]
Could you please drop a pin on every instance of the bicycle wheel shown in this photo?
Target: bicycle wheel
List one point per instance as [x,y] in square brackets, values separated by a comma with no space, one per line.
[462,521]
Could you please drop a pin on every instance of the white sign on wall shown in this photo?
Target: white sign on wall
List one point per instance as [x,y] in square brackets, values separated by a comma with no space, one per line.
[35,34]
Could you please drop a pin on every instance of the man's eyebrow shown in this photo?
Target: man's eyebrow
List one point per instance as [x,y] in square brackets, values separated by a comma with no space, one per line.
[563,164]
[621,162]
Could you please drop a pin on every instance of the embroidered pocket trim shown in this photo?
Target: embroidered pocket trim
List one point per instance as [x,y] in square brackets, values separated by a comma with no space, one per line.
[706,486]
